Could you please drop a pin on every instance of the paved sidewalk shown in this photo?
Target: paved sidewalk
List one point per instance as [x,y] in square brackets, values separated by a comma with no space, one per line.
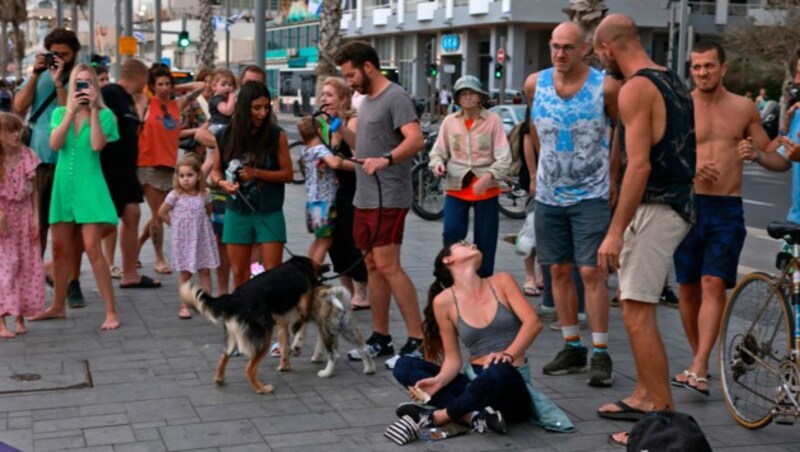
[149,385]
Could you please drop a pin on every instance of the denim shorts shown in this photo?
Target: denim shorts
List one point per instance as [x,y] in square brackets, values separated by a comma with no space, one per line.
[571,233]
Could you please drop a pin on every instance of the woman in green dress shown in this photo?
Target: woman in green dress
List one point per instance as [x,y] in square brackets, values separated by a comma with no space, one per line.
[81,206]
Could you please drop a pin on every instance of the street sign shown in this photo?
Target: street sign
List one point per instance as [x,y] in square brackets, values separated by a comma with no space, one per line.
[501,55]
[127,45]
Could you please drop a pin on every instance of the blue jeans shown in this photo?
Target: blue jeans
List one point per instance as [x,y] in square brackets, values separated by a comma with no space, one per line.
[487,224]
[499,386]
[547,293]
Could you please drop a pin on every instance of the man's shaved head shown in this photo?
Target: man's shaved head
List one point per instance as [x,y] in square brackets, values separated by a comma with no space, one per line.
[570,31]
[616,29]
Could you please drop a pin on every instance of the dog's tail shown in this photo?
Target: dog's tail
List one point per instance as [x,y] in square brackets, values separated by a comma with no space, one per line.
[339,297]
[212,308]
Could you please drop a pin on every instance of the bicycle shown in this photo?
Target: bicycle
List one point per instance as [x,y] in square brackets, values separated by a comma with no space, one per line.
[759,352]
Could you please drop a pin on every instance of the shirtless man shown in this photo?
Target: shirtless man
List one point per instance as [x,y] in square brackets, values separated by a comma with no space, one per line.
[727,127]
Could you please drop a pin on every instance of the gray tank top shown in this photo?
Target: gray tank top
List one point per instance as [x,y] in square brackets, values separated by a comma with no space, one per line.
[494,337]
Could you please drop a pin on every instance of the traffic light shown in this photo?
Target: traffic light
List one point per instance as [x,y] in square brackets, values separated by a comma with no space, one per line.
[433,71]
[183,39]
[498,71]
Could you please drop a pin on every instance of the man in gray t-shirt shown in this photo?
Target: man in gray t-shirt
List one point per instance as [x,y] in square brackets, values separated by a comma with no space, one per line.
[387,137]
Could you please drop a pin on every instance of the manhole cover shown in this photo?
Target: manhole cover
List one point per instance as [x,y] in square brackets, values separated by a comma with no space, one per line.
[25,377]
[33,376]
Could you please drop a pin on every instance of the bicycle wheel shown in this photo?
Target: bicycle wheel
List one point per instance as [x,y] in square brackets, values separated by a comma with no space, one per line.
[296,151]
[754,340]
[428,190]
[512,198]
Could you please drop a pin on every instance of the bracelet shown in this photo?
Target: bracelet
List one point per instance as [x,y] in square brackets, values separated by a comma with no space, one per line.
[758,156]
[507,354]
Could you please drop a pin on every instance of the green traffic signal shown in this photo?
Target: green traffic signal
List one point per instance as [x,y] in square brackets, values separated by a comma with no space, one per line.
[434,70]
[183,39]
[498,71]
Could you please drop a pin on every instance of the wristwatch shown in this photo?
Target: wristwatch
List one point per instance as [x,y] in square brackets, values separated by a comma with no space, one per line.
[388,156]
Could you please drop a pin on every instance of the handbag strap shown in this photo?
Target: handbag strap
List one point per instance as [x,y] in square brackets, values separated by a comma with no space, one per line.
[32,119]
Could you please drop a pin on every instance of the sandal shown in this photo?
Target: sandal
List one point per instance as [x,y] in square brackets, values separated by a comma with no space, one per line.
[275,350]
[164,270]
[680,384]
[617,443]
[532,291]
[115,271]
[184,313]
[145,282]
[694,387]
[625,413]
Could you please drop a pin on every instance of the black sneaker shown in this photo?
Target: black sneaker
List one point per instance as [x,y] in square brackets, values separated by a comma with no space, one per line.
[74,295]
[668,298]
[421,414]
[489,419]
[600,374]
[569,360]
[377,344]
[412,348]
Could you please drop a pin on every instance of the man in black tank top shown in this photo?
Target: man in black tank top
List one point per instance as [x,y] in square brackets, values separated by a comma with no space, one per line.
[655,207]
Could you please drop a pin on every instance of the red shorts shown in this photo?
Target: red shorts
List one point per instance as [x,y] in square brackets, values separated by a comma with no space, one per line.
[365,227]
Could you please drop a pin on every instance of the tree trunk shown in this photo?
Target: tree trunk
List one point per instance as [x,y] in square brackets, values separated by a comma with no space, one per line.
[330,40]
[4,49]
[207,43]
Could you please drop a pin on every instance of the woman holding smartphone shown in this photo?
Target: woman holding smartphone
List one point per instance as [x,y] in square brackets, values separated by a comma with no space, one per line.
[81,206]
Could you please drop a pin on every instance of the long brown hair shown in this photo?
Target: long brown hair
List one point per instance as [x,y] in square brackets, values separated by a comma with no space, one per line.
[431,337]
[9,122]
[239,138]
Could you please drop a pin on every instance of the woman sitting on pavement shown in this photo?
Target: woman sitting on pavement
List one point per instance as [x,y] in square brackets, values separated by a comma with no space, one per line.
[495,323]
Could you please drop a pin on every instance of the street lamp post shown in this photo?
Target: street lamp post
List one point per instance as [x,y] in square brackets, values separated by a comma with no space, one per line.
[157,30]
[261,33]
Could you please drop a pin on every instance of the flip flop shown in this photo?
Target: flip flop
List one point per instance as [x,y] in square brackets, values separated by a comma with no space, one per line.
[626,413]
[360,307]
[693,387]
[532,291]
[165,270]
[145,283]
[680,384]
[184,313]
[617,443]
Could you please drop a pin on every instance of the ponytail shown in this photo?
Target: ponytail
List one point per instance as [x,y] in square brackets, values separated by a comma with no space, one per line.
[432,338]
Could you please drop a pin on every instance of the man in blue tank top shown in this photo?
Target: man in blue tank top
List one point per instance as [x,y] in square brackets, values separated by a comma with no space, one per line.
[655,208]
[571,110]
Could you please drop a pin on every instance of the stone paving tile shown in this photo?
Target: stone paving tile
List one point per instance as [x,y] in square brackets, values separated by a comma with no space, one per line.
[299,423]
[61,443]
[79,422]
[210,434]
[102,436]
[305,439]
[252,409]
[159,409]
[146,434]
[141,446]
[247,448]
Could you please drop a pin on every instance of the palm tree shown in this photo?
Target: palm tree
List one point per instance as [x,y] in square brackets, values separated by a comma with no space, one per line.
[18,16]
[207,43]
[588,14]
[329,38]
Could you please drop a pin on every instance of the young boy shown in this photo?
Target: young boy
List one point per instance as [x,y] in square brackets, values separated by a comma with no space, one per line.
[321,185]
[221,105]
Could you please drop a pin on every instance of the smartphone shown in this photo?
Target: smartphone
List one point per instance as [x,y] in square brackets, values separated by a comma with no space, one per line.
[81,85]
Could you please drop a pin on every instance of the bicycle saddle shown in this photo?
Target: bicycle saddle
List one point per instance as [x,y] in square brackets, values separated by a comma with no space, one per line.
[784,229]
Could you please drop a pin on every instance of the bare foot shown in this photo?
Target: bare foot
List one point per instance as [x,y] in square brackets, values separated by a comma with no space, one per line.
[619,439]
[111,322]
[5,333]
[49,313]
[20,326]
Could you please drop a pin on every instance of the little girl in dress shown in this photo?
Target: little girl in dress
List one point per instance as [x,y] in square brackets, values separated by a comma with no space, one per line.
[187,209]
[21,271]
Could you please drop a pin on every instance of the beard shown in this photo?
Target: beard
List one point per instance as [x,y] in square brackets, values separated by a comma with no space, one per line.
[708,89]
[366,83]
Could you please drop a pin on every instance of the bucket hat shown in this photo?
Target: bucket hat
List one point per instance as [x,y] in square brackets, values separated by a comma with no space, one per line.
[468,82]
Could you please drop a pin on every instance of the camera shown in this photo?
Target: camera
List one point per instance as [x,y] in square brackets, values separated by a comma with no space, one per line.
[50,59]
[793,94]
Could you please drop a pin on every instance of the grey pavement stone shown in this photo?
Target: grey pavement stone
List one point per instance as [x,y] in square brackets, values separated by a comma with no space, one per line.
[146,434]
[141,446]
[302,439]
[299,423]
[246,448]
[79,422]
[61,443]
[210,434]
[251,409]
[105,408]
[20,439]
[102,436]
[16,423]
[159,409]
[57,434]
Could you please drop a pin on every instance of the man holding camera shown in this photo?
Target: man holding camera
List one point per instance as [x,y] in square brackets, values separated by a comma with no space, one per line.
[45,90]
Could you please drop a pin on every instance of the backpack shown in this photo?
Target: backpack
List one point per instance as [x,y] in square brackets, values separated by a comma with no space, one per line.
[667,431]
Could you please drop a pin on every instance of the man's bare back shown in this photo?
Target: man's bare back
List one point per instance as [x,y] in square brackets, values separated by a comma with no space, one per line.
[722,121]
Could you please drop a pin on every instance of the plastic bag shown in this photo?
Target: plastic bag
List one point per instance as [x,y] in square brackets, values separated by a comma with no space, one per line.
[526,238]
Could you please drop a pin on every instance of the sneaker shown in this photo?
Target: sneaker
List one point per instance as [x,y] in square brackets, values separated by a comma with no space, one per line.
[600,375]
[413,348]
[74,295]
[569,360]
[668,298]
[582,323]
[421,414]
[489,419]
[115,271]
[510,238]
[377,344]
